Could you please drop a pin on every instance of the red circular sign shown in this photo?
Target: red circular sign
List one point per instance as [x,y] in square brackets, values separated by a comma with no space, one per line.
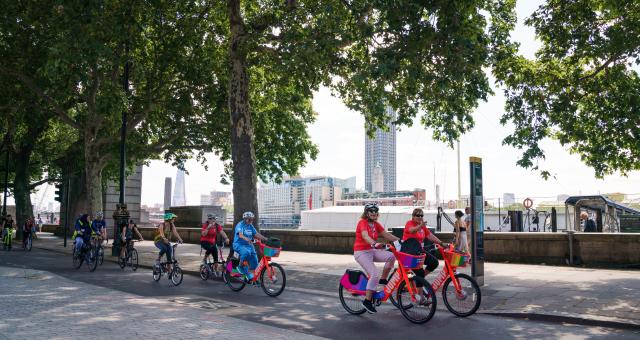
[528,203]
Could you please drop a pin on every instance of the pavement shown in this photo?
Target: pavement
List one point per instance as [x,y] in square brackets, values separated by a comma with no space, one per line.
[608,298]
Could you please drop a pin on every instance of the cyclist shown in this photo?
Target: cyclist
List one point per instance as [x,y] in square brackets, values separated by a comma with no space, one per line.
[367,250]
[210,230]
[7,231]
[127,235]
[99,226]
[82,232]
[161,240]
[26,231]
[416,229]
[244,233]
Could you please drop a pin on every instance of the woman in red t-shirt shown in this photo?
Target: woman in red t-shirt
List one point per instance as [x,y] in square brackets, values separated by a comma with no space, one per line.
[366,251]
[210,230]
[417,229]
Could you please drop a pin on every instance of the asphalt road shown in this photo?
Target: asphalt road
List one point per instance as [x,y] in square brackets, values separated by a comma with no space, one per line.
[303,310]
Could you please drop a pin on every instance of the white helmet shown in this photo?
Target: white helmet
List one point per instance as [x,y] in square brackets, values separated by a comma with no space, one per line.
[248,214]
[99,214]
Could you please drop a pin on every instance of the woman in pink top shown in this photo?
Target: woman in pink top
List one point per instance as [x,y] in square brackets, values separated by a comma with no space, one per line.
[367,250]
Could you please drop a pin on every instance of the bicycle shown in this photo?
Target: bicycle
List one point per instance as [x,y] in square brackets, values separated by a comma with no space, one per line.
[96,241]
[28,243]
[419,308]
[130,256]
[456,287]
[213,268]
[7,239]
[172,269]
[87,254]
[268,275]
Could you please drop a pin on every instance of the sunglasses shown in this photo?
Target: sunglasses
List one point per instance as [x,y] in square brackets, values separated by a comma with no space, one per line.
[373,211]
[418,215]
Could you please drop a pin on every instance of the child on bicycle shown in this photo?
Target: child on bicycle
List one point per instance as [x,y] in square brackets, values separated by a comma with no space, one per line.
[367,250]
[210,230]
[243,236]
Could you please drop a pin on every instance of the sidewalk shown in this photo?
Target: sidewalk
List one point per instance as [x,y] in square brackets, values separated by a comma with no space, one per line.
[582,294]
[51,303]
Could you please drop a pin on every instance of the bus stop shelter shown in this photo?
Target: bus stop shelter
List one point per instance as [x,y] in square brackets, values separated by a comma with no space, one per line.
[608,213]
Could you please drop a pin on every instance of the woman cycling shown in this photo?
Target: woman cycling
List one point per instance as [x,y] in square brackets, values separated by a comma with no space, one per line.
[243,236]
[416,229]
[367,250]
[162,241]
[210,230]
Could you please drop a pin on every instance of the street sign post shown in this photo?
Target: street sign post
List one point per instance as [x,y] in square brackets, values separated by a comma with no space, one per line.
[477,220]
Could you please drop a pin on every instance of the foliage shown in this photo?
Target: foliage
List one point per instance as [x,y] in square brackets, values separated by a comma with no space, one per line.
[582,89]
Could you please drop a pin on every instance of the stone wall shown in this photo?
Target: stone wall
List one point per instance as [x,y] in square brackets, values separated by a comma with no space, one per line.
[590,249]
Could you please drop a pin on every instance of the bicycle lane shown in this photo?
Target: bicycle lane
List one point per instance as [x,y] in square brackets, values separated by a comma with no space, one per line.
[611,298]
[294,311]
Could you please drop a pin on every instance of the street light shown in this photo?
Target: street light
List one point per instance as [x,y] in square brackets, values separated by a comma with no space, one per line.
[6,177]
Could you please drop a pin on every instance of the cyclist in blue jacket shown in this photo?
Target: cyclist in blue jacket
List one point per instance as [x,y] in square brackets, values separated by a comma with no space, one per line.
[83,231]
[243,236]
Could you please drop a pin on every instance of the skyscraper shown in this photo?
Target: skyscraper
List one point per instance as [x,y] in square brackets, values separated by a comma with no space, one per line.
[167,193]
[179,199]
[381,150]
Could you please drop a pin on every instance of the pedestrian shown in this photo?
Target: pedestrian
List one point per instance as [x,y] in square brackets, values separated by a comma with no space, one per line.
[461,230]
[467,218]
[39,224]
[588,225]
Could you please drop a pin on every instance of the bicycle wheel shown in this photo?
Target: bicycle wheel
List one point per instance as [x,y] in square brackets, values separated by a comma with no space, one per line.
[122,262]
[100,255]
[273,280]
[236,283]
[92,259]
[29,243]
[176,275]
[204,272]
[157,273]
[467,300]
[133,260]
[421,310]
[77,258]
[351,302]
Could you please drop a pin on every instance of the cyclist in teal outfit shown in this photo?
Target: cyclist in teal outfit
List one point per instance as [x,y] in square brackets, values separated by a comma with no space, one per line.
[243,236]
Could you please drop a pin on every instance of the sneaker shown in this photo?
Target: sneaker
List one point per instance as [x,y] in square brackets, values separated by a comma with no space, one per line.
[368,305]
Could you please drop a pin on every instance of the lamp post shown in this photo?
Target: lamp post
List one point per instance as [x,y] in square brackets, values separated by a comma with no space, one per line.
[6,177]
[121,214]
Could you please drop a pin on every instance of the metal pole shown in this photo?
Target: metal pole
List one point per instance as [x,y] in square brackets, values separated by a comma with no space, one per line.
[6,183]
[499,216]
[66,209]
[459,186]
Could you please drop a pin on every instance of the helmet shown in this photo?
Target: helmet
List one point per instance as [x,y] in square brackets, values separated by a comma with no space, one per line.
[99,214]
[373,207]
[212,216]
[248,214]
[168,216]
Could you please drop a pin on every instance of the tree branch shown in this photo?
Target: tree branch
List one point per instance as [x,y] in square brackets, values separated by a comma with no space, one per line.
[31,84]
[46,180]
[599,69]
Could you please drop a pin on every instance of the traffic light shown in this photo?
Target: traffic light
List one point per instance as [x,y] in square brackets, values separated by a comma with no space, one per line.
[59,192]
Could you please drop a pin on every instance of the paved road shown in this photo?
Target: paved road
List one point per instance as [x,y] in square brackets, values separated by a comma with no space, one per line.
[295,310]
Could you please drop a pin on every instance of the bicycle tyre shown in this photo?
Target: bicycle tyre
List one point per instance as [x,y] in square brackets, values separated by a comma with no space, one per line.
[405,308]
[29,243]
[236,284]
[176,275]
[77,259]
[204,272]
[157,273]
[351,309]
[122,262]
[476,290]
[100,255]
[133,260]
[276,267]
[92,259]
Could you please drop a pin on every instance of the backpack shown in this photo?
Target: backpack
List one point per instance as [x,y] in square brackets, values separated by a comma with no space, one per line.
[412,246]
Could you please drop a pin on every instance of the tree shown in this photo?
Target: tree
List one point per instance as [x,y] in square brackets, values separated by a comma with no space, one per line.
[582,89]
[415,56]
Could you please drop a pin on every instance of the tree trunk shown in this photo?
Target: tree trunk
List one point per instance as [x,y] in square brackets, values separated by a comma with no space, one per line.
[22,194]
[93,172]
[242,150]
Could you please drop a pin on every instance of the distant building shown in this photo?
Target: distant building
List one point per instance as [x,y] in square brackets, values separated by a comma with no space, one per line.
[416,197]
[381,150]
[508,199]
[179,195]
[280,205]
[221,198]
[378,180]
[167,193]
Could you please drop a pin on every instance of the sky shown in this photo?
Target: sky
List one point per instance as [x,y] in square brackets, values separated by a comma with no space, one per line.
[339,134]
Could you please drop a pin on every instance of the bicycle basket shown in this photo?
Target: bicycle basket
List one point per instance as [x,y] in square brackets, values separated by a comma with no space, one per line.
[457,259]
[411,261]
[271,252]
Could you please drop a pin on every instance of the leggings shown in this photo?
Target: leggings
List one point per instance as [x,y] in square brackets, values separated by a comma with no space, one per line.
[164,248]
[211,249]
[366,259]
